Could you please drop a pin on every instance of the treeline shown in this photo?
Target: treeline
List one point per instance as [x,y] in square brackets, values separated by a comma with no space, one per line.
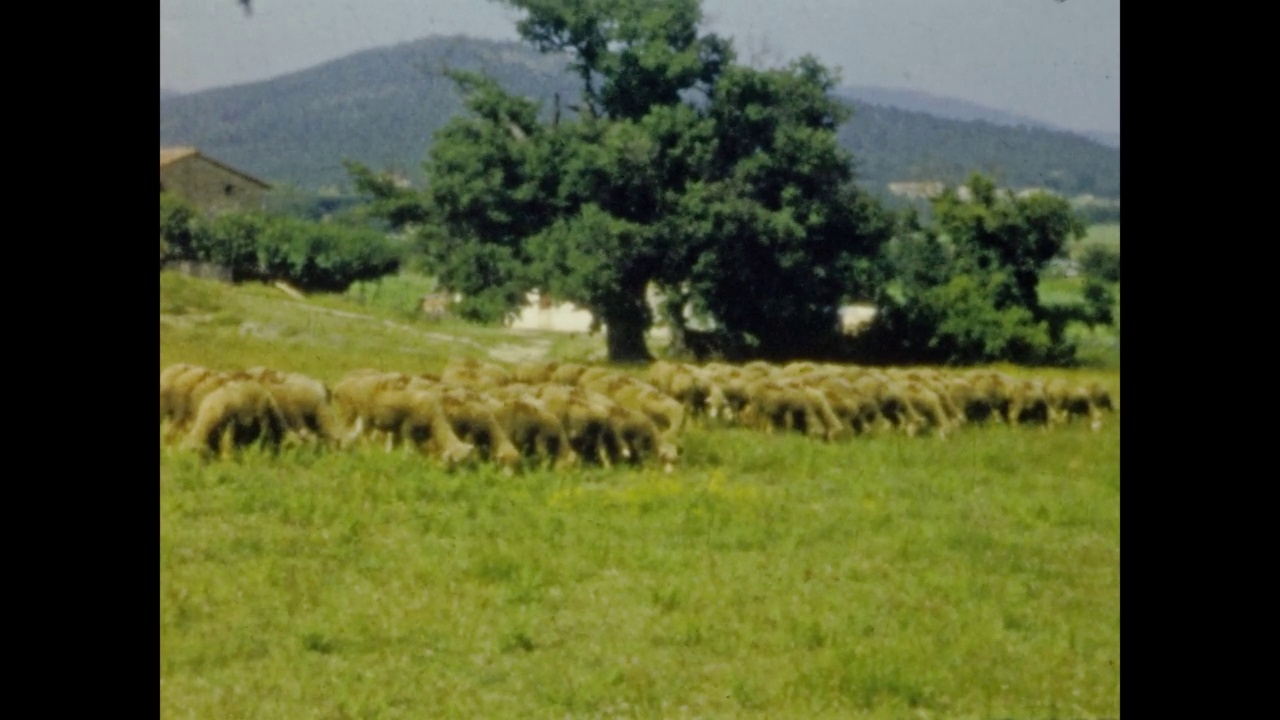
[313,256]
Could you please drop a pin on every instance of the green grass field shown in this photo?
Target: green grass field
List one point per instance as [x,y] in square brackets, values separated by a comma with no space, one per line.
[769,576]
[1105,234]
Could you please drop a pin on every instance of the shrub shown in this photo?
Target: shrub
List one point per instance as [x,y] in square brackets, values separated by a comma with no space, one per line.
[1101,264]
[311,255]
[1098,300]
[180,226]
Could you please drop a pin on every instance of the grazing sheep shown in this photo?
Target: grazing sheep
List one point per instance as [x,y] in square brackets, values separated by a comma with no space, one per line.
[354,396]
[1028,403]
[534,373]
[568,373]
[585,419]
[471,416]
[304,402]
[426,425]
[534,429]
[173,395]
[693,387]
[638,433]
[1068,402]
[788,406]
[176,384]
[733,382]
[413,417]
[982,396]
[1100,397]
[894,404]
[235,414]
[469,372]
[664,410]
[924,407]
[855,409]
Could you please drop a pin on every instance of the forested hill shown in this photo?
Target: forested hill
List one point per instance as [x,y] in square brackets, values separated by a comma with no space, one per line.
[381,106]
[954,109]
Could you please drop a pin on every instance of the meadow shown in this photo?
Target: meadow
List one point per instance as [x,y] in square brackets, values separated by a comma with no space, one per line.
[768,576]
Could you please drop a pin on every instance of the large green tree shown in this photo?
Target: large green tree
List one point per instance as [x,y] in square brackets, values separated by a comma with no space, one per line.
[722,184]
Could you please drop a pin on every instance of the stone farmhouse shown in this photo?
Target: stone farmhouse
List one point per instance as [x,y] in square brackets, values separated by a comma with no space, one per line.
[210,185]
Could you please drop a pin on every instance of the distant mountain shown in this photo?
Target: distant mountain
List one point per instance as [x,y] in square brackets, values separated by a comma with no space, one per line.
[953,109]
[381,106]
[166,94]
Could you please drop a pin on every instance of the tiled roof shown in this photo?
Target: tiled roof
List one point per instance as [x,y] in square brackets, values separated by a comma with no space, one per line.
[168,155]
[174,154]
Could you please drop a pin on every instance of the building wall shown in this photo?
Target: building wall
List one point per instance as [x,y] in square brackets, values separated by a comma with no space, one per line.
[210,187]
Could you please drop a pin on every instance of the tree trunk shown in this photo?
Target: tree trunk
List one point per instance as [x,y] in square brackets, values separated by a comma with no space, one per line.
[624,335]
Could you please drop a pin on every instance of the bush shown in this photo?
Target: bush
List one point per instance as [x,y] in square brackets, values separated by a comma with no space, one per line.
[311,255]
[1098,301]
[1101,264]
[972,329]
[961,323]
[180,227]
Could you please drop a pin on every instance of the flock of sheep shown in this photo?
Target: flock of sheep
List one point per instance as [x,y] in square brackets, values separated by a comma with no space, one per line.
[565,414]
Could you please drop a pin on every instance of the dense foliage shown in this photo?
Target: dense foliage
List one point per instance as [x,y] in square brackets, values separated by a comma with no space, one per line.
[969,286]
[309,255]
[1101,263]
[723,185]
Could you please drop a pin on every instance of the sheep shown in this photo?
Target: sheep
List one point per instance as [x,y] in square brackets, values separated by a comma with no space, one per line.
[693,387]
[923,407]
[304,402]
[567,373]
[1028,403]
[172,394]
[236,413]
[1067,401]
[858,411]
[776,404]
[585,419]
[533,428]
[470,372]
[471,415]
[534,373]
[353,399]
[638,433]
[664,410]
[176,384]
[415,418]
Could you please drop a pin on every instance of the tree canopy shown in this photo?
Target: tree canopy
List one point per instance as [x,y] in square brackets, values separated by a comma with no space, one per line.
[969,286]
[723,185]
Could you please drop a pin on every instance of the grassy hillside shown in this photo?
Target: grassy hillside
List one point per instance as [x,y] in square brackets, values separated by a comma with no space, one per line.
[769,576]
[381,106]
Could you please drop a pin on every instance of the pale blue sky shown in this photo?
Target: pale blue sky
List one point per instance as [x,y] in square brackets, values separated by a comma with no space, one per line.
[1058,62]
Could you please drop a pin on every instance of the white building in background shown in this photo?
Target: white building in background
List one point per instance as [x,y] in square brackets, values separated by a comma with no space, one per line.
[542,313]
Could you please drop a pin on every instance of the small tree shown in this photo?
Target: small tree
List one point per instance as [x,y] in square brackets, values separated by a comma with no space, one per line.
[979,303]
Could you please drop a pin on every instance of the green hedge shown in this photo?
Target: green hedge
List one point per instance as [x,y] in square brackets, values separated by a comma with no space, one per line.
[310,255]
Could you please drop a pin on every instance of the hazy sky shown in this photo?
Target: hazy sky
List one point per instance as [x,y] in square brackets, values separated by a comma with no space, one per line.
[1058,62]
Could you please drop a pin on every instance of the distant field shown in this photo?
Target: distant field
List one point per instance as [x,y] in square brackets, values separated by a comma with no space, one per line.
[1106,235]
[769,576]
